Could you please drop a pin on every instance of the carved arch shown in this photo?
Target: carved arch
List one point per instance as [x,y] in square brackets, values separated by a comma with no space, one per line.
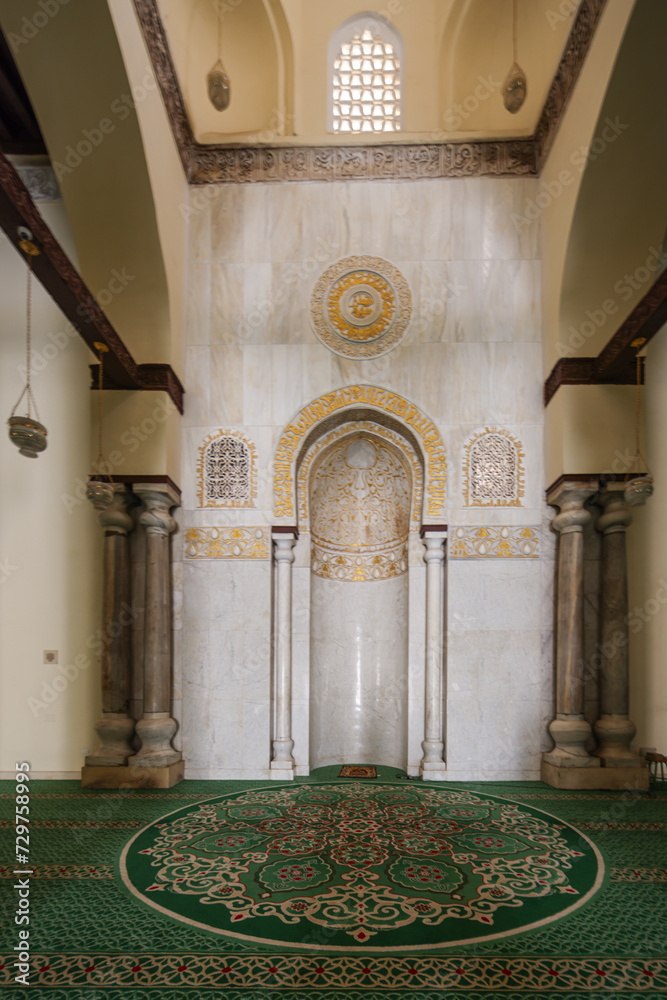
[351,403]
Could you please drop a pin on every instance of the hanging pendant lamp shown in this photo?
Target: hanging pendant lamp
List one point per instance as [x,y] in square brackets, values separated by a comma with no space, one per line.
[217,81]
[515,86]
[27,433]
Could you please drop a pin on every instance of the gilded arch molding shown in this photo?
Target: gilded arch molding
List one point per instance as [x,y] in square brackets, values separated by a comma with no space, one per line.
[358,402]
[373,430]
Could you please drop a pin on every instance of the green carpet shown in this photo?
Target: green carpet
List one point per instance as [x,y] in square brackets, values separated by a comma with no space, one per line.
[349,866]
[89,940]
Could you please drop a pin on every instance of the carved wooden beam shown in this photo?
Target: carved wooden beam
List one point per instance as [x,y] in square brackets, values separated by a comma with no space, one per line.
[616,364]
[55,271]
[648,316]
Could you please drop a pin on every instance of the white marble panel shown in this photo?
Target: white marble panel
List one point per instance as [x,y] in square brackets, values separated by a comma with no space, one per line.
[254,324]
[198,305]
[199,224]
[301,600]
[467,214]
[286,385]
[228,222]
[226,386]
[257,382]
[197,380]
[359,654]
[419,200]
[254,244]
[493,594]
[350,203]
[286,302]
[227,293]
[502,729]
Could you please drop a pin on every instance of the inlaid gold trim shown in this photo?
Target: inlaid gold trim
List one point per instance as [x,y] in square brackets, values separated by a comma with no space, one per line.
[494,542]
[293,436]
[227,543]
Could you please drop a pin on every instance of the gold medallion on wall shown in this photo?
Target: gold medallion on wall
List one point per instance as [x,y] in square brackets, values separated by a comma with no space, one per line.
[361,307]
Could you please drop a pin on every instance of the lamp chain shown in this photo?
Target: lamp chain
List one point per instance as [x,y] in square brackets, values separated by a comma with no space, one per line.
[102,349]
[30,251]
[638,451]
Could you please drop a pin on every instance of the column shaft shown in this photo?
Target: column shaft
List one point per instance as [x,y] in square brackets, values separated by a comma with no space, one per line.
[614,729]
[569,729]
[282,763]
[156,728]
[115,727]
[432,766]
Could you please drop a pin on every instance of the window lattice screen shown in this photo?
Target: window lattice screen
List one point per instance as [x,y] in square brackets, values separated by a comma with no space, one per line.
[366,84]
[227,471]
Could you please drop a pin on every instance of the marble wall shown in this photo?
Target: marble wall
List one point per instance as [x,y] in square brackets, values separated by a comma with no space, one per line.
[470,359]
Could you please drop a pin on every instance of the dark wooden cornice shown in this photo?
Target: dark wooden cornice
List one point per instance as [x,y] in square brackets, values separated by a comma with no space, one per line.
[237,164]
[616,364]
[648,316]
[55,271]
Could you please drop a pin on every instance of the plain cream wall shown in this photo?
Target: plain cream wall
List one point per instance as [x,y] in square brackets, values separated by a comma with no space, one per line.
[50,544]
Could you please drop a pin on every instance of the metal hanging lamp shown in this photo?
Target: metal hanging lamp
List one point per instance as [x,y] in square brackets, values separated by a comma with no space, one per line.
[515,86]
[27,433]
[217,81]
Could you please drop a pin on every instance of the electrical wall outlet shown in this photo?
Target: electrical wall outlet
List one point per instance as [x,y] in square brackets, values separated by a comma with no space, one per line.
[50,656]
[85,752]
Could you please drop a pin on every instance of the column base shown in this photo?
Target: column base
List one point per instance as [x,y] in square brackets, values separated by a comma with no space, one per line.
[433,770]
[614,733]
[282,770]
[610,778]
[155,730]
[132,777]
[115,730]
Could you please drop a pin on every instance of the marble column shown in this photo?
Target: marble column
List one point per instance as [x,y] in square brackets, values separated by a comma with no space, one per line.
[432,766]
[614,729]
[115,727]
[282,763]
[569,729]
[156,727]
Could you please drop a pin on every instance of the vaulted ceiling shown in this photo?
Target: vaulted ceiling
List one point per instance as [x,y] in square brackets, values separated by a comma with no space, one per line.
[457,54]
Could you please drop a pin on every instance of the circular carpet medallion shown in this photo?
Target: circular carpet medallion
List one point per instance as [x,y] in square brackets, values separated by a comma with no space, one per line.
[347,866]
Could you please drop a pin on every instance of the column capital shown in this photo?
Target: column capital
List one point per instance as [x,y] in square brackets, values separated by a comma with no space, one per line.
[435,547]
[284,540]
[572,492]
[113,515]
[158,498]
[570,496]
[616,515]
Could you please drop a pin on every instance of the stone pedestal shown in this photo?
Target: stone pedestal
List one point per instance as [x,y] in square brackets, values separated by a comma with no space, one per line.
[432,766]
[569,730]
[132,777]
[156,728]
[115,727]
[282,764]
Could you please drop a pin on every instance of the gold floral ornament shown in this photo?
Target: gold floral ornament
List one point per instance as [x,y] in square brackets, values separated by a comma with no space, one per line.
[361,307]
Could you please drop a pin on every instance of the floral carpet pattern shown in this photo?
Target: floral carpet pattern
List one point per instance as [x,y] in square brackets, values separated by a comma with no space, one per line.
[90,941]
[332,866]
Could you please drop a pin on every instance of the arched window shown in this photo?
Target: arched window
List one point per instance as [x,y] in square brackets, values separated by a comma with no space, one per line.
[227,471]
[365,64]
[493,470]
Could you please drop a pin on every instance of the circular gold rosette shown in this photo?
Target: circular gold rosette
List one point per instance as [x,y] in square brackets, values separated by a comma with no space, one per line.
[361,307]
